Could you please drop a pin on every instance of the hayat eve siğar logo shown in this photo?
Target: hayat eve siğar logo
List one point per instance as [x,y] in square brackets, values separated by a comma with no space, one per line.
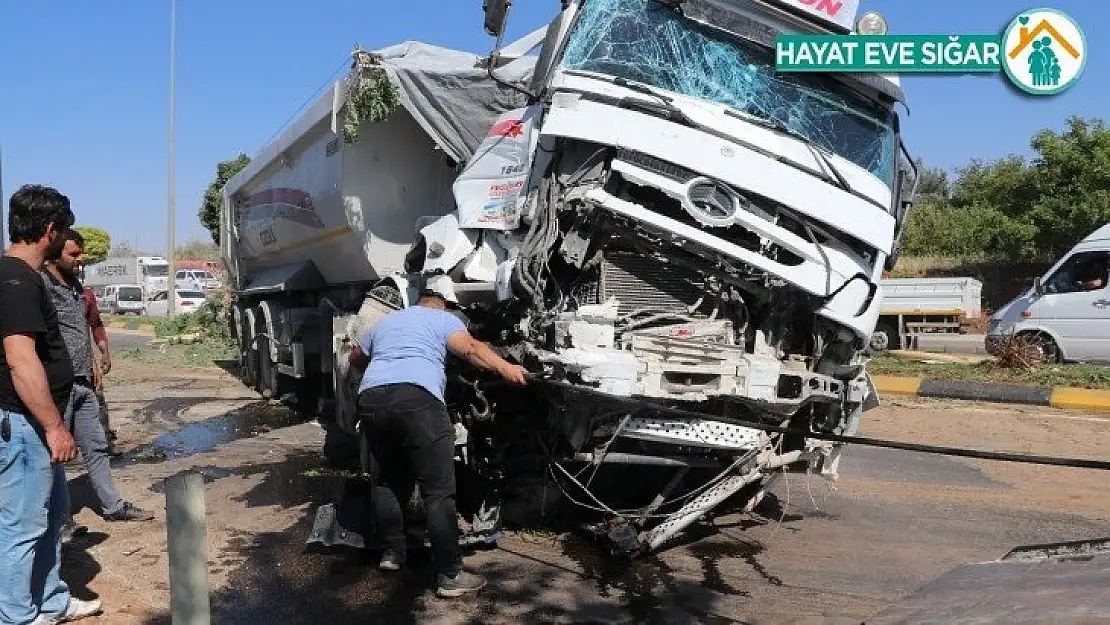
[1044,51]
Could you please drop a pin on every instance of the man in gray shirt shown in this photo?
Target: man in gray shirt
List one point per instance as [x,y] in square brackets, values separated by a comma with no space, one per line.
[83,413]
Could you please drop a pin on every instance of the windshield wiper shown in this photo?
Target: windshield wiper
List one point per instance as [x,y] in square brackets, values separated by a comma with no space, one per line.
[666,106]
[836,176]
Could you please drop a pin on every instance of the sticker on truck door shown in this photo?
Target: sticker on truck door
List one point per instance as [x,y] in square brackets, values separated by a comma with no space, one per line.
[487,192]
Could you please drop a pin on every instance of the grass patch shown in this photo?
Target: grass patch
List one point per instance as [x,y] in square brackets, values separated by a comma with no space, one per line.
[203,353]
[208,339]
[1075,375]
[151,455]
[209,320]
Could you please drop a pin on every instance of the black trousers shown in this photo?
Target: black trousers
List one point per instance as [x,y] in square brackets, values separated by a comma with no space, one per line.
[411,441]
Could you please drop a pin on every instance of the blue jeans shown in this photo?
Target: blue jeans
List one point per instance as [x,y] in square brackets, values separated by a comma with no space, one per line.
[34,504]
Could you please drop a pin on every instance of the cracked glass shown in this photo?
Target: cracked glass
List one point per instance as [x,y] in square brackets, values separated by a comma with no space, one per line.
[649,41]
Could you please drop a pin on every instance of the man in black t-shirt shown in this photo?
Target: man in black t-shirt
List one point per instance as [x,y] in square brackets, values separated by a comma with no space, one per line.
[36,377]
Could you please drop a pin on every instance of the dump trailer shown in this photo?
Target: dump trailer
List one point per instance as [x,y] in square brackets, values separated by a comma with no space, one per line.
[683,246]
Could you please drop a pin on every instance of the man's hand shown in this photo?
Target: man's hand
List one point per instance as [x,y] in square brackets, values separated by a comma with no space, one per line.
[105,361]
[98,377]
[62,446]
[514,374]
[358,359]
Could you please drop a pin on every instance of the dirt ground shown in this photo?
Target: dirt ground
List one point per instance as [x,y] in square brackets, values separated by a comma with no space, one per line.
[895,521]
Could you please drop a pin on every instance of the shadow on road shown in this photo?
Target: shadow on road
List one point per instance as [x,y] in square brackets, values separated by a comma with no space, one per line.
[276,578]
[79,568]
[229,366]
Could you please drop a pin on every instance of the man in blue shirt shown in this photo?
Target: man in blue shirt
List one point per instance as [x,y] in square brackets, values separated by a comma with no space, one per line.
[411,438]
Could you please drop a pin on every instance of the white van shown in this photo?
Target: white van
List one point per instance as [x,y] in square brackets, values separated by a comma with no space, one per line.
[1067,311]
[120,299]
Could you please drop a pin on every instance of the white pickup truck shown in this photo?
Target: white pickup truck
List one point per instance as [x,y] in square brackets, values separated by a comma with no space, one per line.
[915,306]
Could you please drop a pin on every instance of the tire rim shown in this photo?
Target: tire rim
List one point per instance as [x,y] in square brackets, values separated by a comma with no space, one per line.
[880,342]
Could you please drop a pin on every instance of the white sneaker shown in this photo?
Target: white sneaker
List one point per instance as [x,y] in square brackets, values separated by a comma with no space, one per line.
[79,609]
[76,610]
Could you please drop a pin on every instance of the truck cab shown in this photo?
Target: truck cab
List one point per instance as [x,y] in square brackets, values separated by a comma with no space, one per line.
[153,272]
[668,184]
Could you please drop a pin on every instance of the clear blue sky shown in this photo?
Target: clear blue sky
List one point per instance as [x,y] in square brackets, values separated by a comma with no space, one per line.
[85,87]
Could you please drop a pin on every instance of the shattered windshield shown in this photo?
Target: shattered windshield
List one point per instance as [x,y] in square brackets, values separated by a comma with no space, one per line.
[647,41]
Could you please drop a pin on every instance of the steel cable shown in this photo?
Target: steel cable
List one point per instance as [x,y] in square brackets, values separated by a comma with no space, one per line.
[981,454]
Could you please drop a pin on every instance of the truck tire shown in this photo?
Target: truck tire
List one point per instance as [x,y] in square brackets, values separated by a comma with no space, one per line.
[883,337]
[268,378]
[248,352]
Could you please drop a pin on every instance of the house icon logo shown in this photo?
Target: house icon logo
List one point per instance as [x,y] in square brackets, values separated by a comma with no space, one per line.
[1044,51]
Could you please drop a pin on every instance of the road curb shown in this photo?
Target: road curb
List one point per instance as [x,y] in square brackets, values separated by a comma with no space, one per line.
[1052,396]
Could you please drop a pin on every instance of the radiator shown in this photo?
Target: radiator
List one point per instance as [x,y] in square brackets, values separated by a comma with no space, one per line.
[638,281]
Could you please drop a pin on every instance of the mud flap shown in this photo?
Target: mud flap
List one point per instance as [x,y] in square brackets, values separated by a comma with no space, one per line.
[871,401]
[327,532]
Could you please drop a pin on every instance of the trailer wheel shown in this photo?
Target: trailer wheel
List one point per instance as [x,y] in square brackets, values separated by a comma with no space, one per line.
[387,294]
[267,370]
[248,353]
[883,337]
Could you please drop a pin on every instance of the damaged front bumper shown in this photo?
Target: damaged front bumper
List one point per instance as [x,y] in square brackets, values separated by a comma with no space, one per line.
[690,362]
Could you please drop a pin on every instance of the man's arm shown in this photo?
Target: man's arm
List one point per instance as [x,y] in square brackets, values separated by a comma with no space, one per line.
[29,380]
[477,353]
[96,326]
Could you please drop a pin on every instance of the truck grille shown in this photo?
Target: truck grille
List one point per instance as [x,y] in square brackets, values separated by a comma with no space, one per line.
[639,281]
[657,165]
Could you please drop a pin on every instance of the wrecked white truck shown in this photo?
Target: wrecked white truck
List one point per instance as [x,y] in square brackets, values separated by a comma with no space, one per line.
[684,246]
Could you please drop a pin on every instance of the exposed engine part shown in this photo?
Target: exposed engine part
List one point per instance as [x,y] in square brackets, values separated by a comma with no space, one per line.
[642,283]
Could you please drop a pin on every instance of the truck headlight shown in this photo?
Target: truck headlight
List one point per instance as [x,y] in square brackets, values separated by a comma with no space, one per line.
[871,23]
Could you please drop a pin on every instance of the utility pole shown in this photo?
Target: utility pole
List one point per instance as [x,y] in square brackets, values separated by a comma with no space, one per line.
[171,216]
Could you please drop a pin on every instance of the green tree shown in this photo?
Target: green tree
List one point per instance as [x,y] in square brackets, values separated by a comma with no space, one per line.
[196,249]
[97,243]
[1070,182]
[1016,208]
[212,203]
[934,182]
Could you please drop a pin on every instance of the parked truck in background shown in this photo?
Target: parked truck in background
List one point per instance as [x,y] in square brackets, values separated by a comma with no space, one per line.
[912,307]
[149,272]
[683,245]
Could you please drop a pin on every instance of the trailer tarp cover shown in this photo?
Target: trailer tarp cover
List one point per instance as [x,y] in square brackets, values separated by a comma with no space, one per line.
[450,93]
